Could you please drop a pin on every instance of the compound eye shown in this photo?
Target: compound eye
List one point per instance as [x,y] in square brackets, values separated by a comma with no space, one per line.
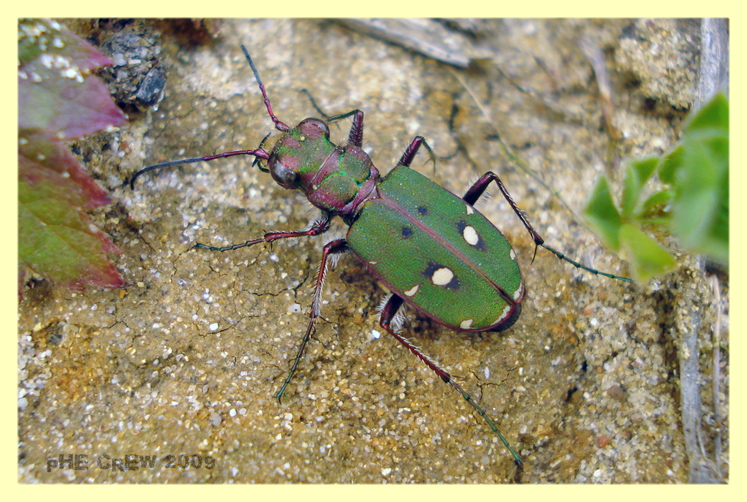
[282,175]
[312,127]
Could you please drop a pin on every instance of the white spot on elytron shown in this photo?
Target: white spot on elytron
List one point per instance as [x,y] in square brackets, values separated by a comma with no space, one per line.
[512,254]
[517,293]
[466,324]
[503,315]
[470,210]
[470,235]
[373,262]
[442,276]
[412,291]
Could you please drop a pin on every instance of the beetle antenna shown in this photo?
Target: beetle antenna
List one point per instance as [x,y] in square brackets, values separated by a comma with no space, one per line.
[259,153]
[280,126]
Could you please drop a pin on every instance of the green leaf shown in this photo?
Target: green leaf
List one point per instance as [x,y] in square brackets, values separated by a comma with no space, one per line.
[56,92]
[714,114]
[602,214]
[656,207]
[700,210]
[694,206]
[636,175]
[669,164]
[698,173]
[648,258]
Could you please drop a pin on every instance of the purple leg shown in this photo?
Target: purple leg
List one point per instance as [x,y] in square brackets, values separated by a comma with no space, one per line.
[333,247]
[318,227]
[355,137]
[476,190]
[412,150]
[387,314]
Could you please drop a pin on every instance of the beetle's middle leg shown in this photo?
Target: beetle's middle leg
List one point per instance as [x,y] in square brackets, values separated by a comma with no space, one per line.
[412,150]
[333,247]
[476,191]
[388,313]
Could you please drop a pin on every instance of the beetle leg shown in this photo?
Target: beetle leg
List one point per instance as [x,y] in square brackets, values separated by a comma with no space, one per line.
[317,227]
[388,313]
[333,247]
[355,137]
[412,150]
[476,191]
[316,106]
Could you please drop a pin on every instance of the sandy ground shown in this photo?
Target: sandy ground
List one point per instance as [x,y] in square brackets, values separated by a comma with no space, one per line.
[181,365]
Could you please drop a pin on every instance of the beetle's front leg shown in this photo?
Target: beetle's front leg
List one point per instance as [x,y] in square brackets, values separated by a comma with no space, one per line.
[388,316]
[333,247]
[355,137]
[318,227]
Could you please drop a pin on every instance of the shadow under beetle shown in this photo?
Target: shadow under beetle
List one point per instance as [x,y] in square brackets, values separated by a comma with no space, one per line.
[433,250]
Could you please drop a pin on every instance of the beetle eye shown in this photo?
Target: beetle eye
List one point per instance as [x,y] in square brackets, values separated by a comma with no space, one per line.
[282,175]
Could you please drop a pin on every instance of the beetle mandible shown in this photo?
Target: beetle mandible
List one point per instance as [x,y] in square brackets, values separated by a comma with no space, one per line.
[433,249]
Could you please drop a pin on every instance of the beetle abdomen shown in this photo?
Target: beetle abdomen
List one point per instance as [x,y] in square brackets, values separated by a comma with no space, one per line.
[438,253]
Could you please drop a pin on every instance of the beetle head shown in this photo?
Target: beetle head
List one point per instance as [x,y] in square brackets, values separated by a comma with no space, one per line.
[298,153]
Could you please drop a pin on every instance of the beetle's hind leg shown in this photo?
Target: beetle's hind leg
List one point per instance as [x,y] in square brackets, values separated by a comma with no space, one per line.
[388,314]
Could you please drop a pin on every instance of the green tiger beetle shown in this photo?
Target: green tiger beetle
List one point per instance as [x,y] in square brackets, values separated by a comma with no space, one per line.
[433,249]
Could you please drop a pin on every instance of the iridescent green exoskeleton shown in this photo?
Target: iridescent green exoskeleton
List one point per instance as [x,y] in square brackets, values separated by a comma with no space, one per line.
[433,249]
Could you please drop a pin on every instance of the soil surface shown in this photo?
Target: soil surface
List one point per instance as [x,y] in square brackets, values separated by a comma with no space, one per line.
[180,367]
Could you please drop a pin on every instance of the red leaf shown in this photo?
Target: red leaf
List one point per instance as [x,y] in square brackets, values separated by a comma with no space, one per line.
[59,99]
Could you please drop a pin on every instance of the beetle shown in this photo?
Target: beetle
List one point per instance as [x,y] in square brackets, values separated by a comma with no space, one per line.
[432,248]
